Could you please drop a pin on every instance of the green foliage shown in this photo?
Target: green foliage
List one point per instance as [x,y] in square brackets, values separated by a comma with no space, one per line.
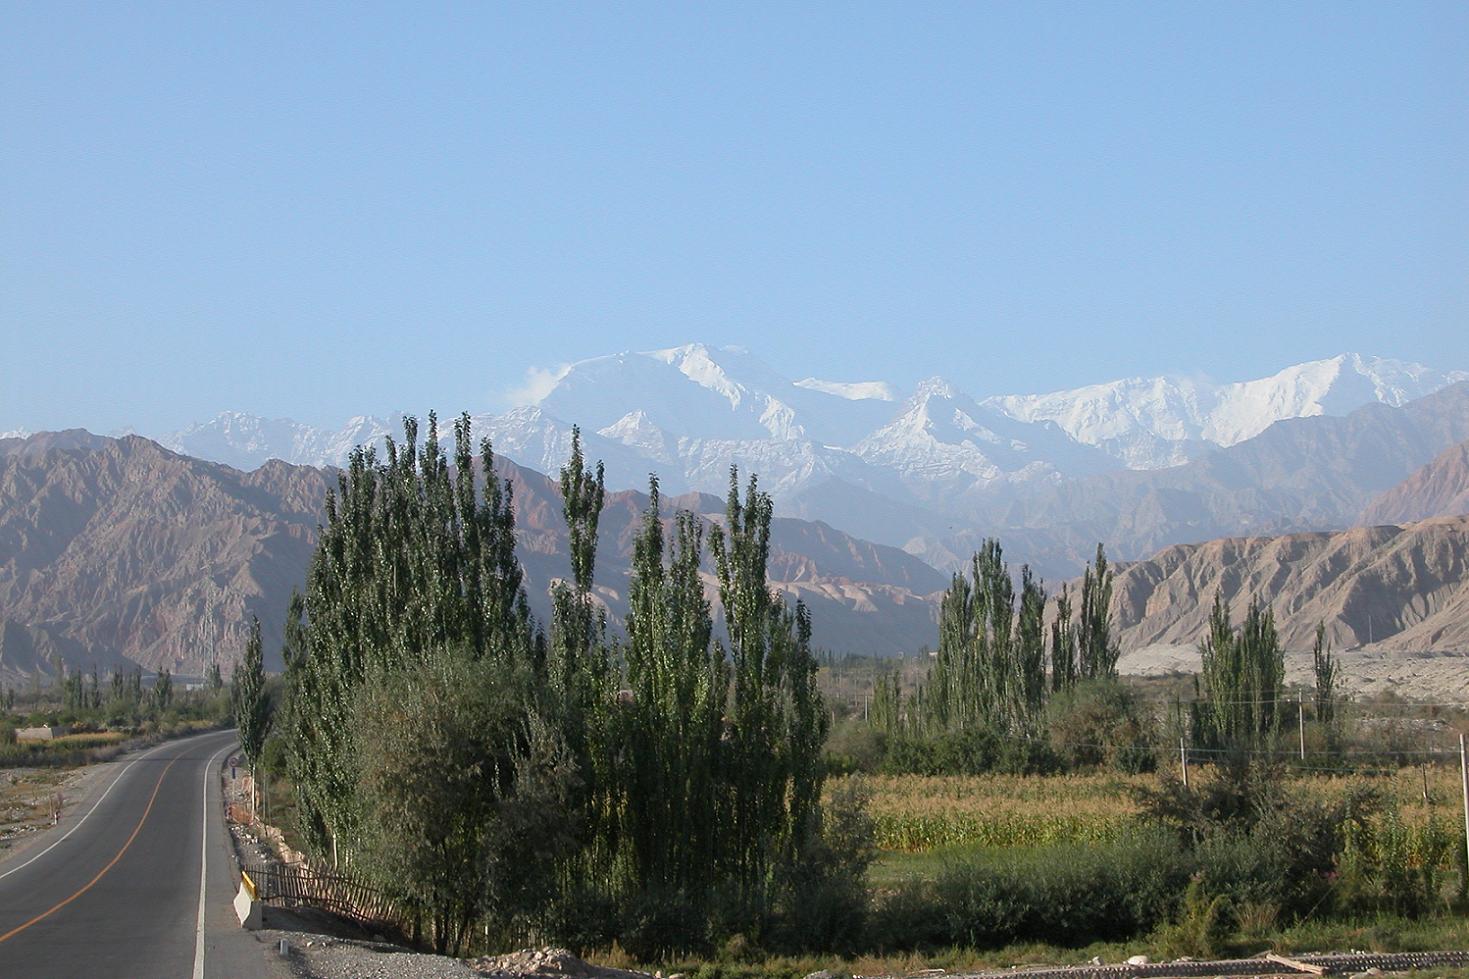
[412,557]
[1202,927]
[1065,894]
[1065,667]
[1242,679]
[1102,723]
[1257,842]
[163,691]
[1097,648]
[777,721]
[248,698]
[984,701]
[825,902]
[1325,669]
[461,794]
[672,727]
[669,814]
[213,680]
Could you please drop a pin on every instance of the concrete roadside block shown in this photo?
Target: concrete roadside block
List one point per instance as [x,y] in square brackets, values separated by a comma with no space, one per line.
[247,904]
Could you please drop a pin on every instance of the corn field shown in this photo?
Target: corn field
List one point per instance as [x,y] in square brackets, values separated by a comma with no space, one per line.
[918,814]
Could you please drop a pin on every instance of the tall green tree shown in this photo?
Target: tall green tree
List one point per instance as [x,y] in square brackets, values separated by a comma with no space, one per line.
[673,727]
[248,697]
[1098,649]
[415,554]
[162,691]
[1064,667]
[777,721]
[1324,667]
[1242,678]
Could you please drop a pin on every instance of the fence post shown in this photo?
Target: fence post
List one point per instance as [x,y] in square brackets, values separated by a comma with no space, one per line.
[1183,760]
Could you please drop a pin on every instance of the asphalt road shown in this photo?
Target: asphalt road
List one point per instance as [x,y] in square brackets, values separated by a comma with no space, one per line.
[136,881]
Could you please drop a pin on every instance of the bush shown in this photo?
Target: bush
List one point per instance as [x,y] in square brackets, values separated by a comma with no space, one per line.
[1068,895]
[464,795]
[1202,926]
[273,757]
[825,903]
[855,746]
[974,751]
[1256,843]
[1102,723]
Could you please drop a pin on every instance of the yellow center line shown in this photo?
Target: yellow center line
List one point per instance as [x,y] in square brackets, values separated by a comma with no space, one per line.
[101,873]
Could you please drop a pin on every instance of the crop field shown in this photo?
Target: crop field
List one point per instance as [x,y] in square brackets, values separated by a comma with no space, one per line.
[922,822]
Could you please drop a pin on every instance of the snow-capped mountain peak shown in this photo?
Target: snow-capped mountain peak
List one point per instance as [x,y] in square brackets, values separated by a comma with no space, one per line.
[857,453]
[853,390]
[1153,422]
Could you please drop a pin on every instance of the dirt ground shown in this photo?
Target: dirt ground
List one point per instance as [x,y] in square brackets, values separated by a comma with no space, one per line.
[1366,674]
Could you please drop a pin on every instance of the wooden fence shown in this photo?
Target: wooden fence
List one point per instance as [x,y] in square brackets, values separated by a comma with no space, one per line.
[286,886]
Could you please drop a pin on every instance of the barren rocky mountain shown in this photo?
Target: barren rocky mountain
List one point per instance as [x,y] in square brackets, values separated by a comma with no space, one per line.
[1386,588]
[113,548]
[1440,488]
[119,548]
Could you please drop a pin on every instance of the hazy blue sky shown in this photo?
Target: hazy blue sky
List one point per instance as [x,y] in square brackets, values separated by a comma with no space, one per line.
[318,211]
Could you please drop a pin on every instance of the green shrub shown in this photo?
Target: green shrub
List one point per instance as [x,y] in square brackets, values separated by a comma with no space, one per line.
[1202,925]
[1068,895]
[1101,723]
[973,751]
[825,903]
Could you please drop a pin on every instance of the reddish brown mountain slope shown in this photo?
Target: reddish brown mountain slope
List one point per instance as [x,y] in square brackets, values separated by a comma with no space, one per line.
[115,548]
[1393,588]
[1439,489]
[127,549]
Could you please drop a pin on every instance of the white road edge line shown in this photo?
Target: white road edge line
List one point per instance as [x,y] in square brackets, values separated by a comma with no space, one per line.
[99,801]
[204,868]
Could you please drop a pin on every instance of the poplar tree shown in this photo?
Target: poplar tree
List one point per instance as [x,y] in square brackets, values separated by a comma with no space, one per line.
[777,721]
[251,705]
[1324,666]
[1028,664]
[673,726]
[1063,644]
[1242,678]
[414,556]
[1097,648]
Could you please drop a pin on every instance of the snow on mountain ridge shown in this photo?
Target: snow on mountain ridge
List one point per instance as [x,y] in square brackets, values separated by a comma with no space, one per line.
[1150,423]
[851,390]
[691,412]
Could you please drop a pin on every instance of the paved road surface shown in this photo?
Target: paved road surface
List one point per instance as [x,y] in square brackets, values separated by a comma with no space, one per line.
[136,881]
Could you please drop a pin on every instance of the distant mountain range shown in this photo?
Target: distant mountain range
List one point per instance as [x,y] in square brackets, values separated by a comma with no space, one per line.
[119,551]
[925,470]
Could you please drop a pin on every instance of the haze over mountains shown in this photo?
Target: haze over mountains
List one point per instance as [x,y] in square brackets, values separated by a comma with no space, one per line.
[1151,461]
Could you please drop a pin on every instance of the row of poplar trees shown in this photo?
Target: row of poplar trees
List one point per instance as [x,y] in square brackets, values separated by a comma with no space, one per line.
[994,667]
[489,773]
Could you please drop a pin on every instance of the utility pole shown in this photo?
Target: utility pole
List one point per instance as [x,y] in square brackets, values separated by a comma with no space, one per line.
[1183,760]
[1301,713]
[1464,776]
